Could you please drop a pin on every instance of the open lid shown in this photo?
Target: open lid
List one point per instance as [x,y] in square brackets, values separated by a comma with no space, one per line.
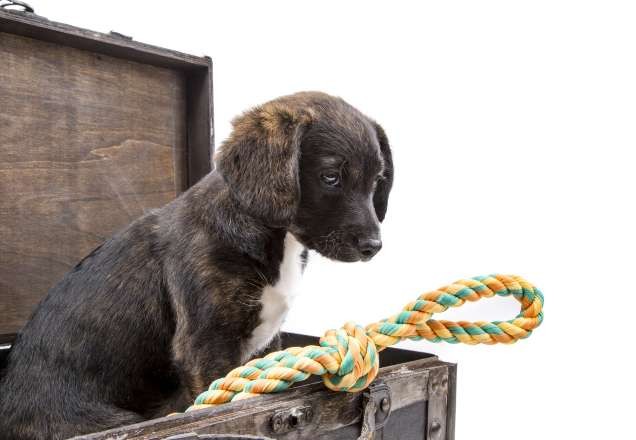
[95,130]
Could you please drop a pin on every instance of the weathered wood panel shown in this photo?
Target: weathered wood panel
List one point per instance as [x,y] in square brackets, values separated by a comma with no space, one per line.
[114,44]
[88,142]
[420,407]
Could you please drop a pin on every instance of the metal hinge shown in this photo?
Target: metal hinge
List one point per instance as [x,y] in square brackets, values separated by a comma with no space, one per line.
[120,36]
[16,5]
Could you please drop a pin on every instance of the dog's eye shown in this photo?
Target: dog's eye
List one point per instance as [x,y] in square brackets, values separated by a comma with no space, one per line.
[330,179]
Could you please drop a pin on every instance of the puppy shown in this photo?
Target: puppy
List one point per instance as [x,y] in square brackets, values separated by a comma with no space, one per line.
[185,293]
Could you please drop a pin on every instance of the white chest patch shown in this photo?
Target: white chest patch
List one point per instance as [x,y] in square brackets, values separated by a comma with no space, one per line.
[276,299]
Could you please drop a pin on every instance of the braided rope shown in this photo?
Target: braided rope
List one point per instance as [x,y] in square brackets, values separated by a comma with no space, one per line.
[347,358]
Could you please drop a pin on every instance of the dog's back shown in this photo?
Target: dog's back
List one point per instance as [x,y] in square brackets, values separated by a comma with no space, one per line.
[76,333]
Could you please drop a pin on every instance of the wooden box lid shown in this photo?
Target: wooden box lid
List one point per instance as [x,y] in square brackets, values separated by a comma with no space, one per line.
[95,129]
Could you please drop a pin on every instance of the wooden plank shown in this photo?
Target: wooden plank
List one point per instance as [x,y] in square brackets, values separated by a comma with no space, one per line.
[336,415]
[200,123]
[88,143]
[37,27]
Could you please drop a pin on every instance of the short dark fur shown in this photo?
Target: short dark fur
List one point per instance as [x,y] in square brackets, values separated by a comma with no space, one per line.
[140,326]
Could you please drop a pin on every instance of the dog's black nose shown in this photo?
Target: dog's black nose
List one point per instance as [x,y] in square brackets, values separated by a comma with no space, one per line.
[368,247]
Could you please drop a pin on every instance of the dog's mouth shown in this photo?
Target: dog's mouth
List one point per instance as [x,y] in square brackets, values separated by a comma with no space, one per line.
[345,254]
[336,247]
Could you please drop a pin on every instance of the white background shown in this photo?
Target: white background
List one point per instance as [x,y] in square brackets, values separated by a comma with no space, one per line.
[513,127]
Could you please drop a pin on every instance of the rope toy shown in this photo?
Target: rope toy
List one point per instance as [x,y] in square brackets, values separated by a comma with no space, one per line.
[347,358]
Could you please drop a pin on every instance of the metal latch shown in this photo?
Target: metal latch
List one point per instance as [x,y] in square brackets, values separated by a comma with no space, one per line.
[376,408]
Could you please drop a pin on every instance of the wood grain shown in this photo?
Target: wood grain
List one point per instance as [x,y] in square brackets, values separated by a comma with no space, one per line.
[422,405]
[38,27]
[88,143]
[336,415]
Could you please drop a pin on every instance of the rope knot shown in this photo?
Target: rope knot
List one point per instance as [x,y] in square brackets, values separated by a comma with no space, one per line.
[355,355]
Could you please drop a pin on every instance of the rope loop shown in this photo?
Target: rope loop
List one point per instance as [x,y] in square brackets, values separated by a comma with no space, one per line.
[414,321]
[347,359]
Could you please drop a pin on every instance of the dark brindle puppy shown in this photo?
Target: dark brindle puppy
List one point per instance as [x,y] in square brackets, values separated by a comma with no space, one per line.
[185,293]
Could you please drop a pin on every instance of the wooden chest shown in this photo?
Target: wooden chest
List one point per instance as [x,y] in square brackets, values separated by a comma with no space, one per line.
[95,129]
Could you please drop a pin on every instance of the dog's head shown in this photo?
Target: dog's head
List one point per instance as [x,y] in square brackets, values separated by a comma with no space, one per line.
[315,165]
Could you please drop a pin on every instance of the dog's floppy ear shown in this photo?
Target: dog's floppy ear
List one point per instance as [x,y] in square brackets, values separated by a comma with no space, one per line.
[381,196]
[259,161]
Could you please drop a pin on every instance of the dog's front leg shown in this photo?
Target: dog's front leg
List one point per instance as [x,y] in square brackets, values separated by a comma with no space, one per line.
[211,331]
